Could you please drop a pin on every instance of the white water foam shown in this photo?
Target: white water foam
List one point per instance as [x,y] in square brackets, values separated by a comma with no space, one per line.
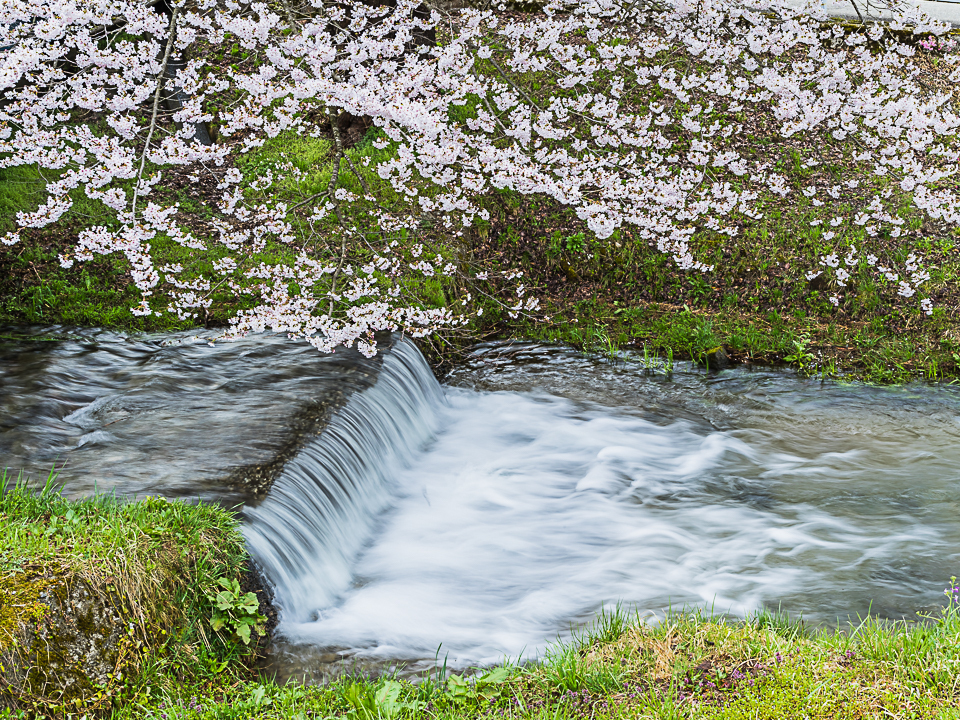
[528,512]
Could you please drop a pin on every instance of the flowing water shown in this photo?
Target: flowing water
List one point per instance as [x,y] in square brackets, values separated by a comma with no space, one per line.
[483,518]
[555,484]
[167,414]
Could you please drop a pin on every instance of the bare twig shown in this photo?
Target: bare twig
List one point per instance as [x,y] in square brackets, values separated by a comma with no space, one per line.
[288,11]
[309,199]
[331,193]
[171,38]
[363,182]
[515,86]
[857,10]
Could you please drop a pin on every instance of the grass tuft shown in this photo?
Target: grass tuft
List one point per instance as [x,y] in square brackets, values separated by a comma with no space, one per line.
[155,564]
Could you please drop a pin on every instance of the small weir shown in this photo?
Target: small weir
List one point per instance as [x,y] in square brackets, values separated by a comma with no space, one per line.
[485,517]
[323,507]
[554,484]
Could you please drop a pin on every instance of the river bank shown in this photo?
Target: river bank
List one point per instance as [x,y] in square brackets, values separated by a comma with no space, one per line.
[686,666]
[103,599]
[597,297]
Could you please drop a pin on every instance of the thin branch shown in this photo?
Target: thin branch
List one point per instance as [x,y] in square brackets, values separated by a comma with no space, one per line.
[331,190]
[363,182]
[171,38]
[309,199]
[857,10]
[515,86]
[288,11]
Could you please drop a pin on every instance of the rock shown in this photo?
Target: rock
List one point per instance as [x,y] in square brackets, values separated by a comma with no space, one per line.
[68,649]
[715,359]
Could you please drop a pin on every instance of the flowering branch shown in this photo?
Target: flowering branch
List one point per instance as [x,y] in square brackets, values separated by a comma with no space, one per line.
[629,114]
[171,35]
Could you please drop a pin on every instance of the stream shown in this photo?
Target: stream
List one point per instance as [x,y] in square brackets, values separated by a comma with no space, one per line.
[485,517]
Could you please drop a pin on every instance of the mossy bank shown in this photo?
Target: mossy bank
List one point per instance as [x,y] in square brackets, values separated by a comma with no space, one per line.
[102,602]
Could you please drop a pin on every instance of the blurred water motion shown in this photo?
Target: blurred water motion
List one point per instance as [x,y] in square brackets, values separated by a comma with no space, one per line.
[491,514]
[163,415]
[557,484]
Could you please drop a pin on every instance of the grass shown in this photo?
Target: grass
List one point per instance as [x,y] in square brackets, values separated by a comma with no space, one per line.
[756,303]
[689,665]
[151,566]
[36,290]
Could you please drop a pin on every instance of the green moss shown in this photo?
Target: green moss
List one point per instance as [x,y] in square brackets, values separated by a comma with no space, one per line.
[20,603]
[21,190]
[309,156]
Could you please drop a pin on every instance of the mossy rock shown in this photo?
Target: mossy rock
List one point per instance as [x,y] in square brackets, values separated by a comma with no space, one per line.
[65,647]
[20,603]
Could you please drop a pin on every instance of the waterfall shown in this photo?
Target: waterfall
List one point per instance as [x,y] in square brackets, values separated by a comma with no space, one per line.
[485,522]
[323,507]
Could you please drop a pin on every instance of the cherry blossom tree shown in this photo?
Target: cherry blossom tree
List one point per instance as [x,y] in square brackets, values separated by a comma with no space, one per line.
[627,112]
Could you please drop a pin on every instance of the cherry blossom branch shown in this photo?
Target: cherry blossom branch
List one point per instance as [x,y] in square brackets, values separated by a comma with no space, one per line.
[634,125]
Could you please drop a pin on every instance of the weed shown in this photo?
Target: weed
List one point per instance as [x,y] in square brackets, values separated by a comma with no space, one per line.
[800,355]
[237,612]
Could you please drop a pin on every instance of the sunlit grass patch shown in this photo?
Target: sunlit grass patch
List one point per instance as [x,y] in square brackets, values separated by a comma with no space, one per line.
[21,190]
[688,665]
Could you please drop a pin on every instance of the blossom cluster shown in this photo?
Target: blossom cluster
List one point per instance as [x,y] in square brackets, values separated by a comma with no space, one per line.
[630,114]
[935,44]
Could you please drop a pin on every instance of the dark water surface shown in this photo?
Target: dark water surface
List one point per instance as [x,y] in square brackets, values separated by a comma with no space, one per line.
[165,414]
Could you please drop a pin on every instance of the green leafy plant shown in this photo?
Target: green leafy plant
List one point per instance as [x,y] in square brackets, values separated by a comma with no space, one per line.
[382,702]
[485,687]
[800,355]
[572,243]
[62,524]
[240,613]
[575,243]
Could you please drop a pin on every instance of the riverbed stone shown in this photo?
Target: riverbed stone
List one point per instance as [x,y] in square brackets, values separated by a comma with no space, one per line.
[715,359]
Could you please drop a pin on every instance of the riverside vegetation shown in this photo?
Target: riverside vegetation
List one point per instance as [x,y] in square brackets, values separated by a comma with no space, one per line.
[171,574]
[102,599]
[599,297]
